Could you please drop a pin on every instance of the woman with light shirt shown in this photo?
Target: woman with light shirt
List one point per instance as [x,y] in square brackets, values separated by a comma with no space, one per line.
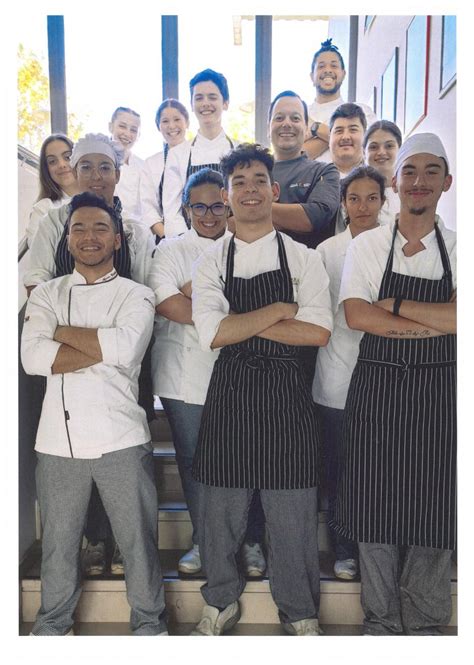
[181,369]
[172,120]
[56,177]
[362,196]
[381,143]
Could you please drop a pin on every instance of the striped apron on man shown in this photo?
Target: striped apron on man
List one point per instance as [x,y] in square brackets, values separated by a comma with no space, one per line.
[258,429]
[398,484]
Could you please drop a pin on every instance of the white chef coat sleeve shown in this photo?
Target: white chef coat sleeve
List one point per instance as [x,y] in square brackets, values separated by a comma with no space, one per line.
[165,276]
[42,266]
[142,245]
[210,306]
[38,348]
[173,184]
[39,210]
[149,196]
[356,281]
[124,345]
[312,293]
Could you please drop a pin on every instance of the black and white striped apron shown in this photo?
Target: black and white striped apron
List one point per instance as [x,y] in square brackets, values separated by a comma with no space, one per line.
[398,484]
[65,262]
[258,429]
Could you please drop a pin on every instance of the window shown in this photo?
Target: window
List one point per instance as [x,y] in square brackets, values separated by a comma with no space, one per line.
[388,100]
[448,54]
[416,72]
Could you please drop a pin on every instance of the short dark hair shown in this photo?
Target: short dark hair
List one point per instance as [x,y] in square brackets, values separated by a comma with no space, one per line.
[167,103]
[210,75]
[348,110]
[288,93]
[242,155]
[48,188]
[123,109]
[325,47]
[363,172]
[205,176]
[386,126]
[89,200]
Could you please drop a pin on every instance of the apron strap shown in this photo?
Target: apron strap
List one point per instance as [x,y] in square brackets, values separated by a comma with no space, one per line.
[444,258]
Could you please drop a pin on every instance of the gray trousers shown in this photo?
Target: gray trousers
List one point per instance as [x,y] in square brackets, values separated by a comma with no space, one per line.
[125,481]
[291,518]
[413,596]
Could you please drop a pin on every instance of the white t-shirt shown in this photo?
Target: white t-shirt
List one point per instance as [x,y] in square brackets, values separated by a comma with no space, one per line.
[181,370]
[367,256]
[336,361]
[310,281]
[204,151]
[323,112]
[128,188]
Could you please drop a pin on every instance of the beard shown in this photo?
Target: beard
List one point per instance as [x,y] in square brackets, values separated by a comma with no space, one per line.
[331,91]
[417,211]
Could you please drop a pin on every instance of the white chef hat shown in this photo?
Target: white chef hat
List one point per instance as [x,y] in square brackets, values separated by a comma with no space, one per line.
[418,143]
[100,144]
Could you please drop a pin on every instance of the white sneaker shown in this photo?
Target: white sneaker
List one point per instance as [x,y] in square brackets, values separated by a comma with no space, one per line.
[70,632]
[191,561]
[116,566]
[253,560]
[93,559]
[303,627]
[214,622]
[345,569]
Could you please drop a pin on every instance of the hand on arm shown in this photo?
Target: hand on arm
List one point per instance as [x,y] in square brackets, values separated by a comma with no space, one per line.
[377,320]
[438,316]
[290,216]
[84,340]
[297,333]
[158,229]
[177,308]
[69,360]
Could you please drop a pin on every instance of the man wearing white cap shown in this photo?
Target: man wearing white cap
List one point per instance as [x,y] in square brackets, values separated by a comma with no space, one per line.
[398,482]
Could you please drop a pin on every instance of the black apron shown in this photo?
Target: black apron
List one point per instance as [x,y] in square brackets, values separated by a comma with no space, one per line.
[258,429]
[398,483]
[65,262]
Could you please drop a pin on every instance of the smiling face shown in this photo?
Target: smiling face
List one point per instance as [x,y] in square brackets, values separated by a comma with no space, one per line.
[208,104]
[419,182]
[287,128]
[250,193]
[381,152]
[363,202]
[58,156]
[173,126]
[207,223]
[125,129]
[327,75]
[96,173]
[92,240]
[345,143]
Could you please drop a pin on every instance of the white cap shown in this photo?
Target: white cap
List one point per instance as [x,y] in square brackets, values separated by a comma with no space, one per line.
[98,144]
[421,143]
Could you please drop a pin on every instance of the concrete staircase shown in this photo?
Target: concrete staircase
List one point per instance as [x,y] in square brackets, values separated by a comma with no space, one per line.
[103,607]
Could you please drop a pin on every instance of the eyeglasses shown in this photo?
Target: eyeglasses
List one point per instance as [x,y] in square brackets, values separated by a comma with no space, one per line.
[104,170]
[200,209]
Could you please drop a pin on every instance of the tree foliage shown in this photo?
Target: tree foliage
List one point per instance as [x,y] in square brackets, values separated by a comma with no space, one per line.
[34,112]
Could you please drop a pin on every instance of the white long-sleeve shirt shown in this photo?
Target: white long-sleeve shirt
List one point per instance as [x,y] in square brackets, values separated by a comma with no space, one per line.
[42,253]
[128,188]
[91,411]
[181,369]
[150,179]
[204,151]
[310,281]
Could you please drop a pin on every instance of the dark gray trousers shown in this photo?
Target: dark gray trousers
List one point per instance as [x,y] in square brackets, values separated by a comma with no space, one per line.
[291,518]
[411,596]
[125,480]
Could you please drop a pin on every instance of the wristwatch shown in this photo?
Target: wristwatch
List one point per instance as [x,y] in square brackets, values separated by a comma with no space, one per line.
[314,129]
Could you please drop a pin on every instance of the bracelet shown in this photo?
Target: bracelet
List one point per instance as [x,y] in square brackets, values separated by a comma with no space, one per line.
[396,305]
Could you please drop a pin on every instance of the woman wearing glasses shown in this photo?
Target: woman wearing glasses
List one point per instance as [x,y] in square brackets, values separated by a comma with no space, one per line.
[57,180]
[181,370]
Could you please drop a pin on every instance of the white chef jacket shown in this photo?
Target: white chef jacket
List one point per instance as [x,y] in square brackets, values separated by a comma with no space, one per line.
[149,188]
[390,208]
[42,266]
[310,281]
[180,368]
[336,361]
[322,113]
[40,210]
[94,410]
[367,256]
[204,151]
[128,188]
